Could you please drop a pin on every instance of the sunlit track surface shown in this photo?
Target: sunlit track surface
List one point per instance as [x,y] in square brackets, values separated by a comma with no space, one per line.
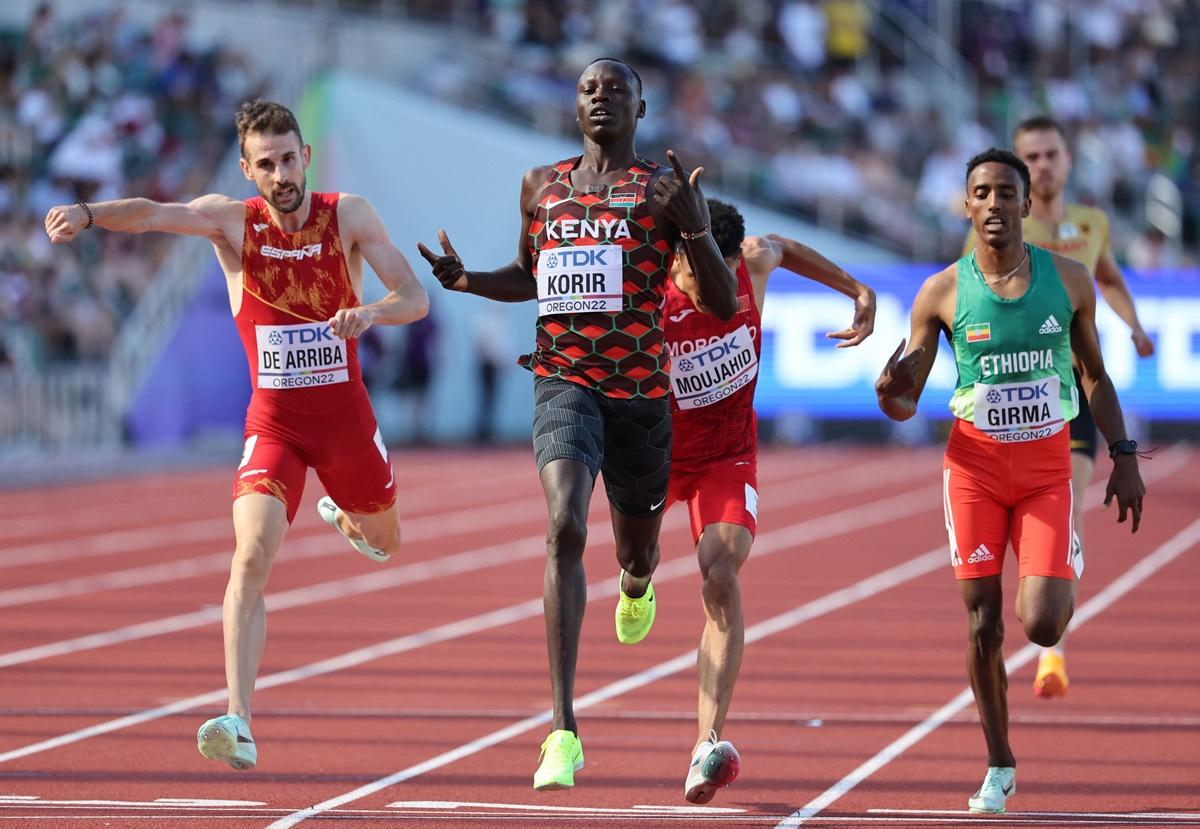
[434,665]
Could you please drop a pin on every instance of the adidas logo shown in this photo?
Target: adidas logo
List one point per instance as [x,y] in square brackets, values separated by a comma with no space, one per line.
[981,554]
[1050,326]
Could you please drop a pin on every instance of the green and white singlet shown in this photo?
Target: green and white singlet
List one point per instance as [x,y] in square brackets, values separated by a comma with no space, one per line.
[1014,355]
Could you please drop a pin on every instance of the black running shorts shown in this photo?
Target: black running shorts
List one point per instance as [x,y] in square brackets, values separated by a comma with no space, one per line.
[1083,427]
[628,440]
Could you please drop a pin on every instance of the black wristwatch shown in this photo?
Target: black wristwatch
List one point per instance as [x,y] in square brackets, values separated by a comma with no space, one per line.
[1122,447]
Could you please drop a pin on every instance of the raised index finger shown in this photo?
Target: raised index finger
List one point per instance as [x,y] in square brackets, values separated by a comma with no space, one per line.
[676,166]
[429,255]
[446,246]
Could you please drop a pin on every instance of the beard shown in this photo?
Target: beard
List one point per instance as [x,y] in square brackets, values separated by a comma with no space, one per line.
[287,192]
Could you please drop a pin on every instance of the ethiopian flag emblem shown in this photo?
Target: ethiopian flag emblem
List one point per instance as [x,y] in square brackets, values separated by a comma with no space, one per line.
[979,333]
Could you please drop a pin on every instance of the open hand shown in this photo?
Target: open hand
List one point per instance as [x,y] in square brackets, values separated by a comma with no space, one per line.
[861,327]
[448,268]
[1125,484]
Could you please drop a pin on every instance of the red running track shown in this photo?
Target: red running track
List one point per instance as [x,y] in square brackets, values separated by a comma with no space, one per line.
[415,694]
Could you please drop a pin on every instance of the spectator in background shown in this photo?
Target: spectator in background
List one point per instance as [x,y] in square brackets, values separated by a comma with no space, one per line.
[833,89]
[416,374]
[493,347]
[91,107]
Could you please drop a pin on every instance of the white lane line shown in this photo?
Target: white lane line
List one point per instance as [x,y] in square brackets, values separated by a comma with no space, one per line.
[491,556]
[862,515]
[764,545]
[467,806]
[221,529]
[417,528]
[810,719]
[892,577]
[1131,578]
[157,803]
[136,504]
[317,541]
[1119,815]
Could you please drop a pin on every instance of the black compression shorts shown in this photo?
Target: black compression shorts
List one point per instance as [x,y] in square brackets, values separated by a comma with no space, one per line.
[1083,427]
[628,440]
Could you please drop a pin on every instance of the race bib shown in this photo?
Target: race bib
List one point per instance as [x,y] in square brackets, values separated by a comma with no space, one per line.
[1018,412]
[300,356]
[713,373]
[576,280]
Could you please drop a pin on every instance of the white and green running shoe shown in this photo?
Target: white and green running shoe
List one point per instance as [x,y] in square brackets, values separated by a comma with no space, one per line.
[999,784]
[715,764]
[328,512]
[228,738]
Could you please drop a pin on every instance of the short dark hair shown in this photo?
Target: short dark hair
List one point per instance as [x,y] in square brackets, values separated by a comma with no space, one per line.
[1002,157]
[728,227]
[632,71]
[1038,123]
[265,117]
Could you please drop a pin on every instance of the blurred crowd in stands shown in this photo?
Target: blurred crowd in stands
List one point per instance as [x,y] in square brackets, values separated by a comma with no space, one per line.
[846,111]
[859,114]
[93,107]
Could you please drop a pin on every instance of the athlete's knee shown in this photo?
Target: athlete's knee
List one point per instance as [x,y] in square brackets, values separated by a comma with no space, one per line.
[720,588]
[985,629]
[1046,628]
[252,562]
[566,534]
[638,559]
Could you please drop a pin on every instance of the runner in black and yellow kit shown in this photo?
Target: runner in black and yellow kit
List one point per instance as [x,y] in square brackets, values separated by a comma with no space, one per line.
[1014,313]
[598,233]
[1080,233]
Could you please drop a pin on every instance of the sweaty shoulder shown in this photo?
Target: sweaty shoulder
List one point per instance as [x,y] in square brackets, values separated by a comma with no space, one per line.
[532,183]
[224,216]
[1075,276]
[937,294]
[351,206]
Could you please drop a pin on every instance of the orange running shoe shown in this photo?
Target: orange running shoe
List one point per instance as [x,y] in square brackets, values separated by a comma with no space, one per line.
[1051,679]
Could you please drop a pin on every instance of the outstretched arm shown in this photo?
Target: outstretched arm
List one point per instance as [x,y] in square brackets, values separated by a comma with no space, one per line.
[213,216]
[903,378]
[512,283]
[678,198]
[1115,291]
[405,301]
[802,260]
[1125,481]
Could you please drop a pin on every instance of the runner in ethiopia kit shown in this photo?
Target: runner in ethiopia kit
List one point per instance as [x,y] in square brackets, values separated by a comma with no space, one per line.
[293,263]
[714,454]
[1014,313]
[1081,233]
[598,233]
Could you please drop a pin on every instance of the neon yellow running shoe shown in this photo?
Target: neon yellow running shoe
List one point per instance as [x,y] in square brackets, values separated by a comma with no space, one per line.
[635,617]
[562,756]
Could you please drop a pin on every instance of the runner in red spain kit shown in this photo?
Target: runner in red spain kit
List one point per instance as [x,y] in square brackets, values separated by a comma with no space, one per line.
[598,233]
[714,453]
[293,264]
